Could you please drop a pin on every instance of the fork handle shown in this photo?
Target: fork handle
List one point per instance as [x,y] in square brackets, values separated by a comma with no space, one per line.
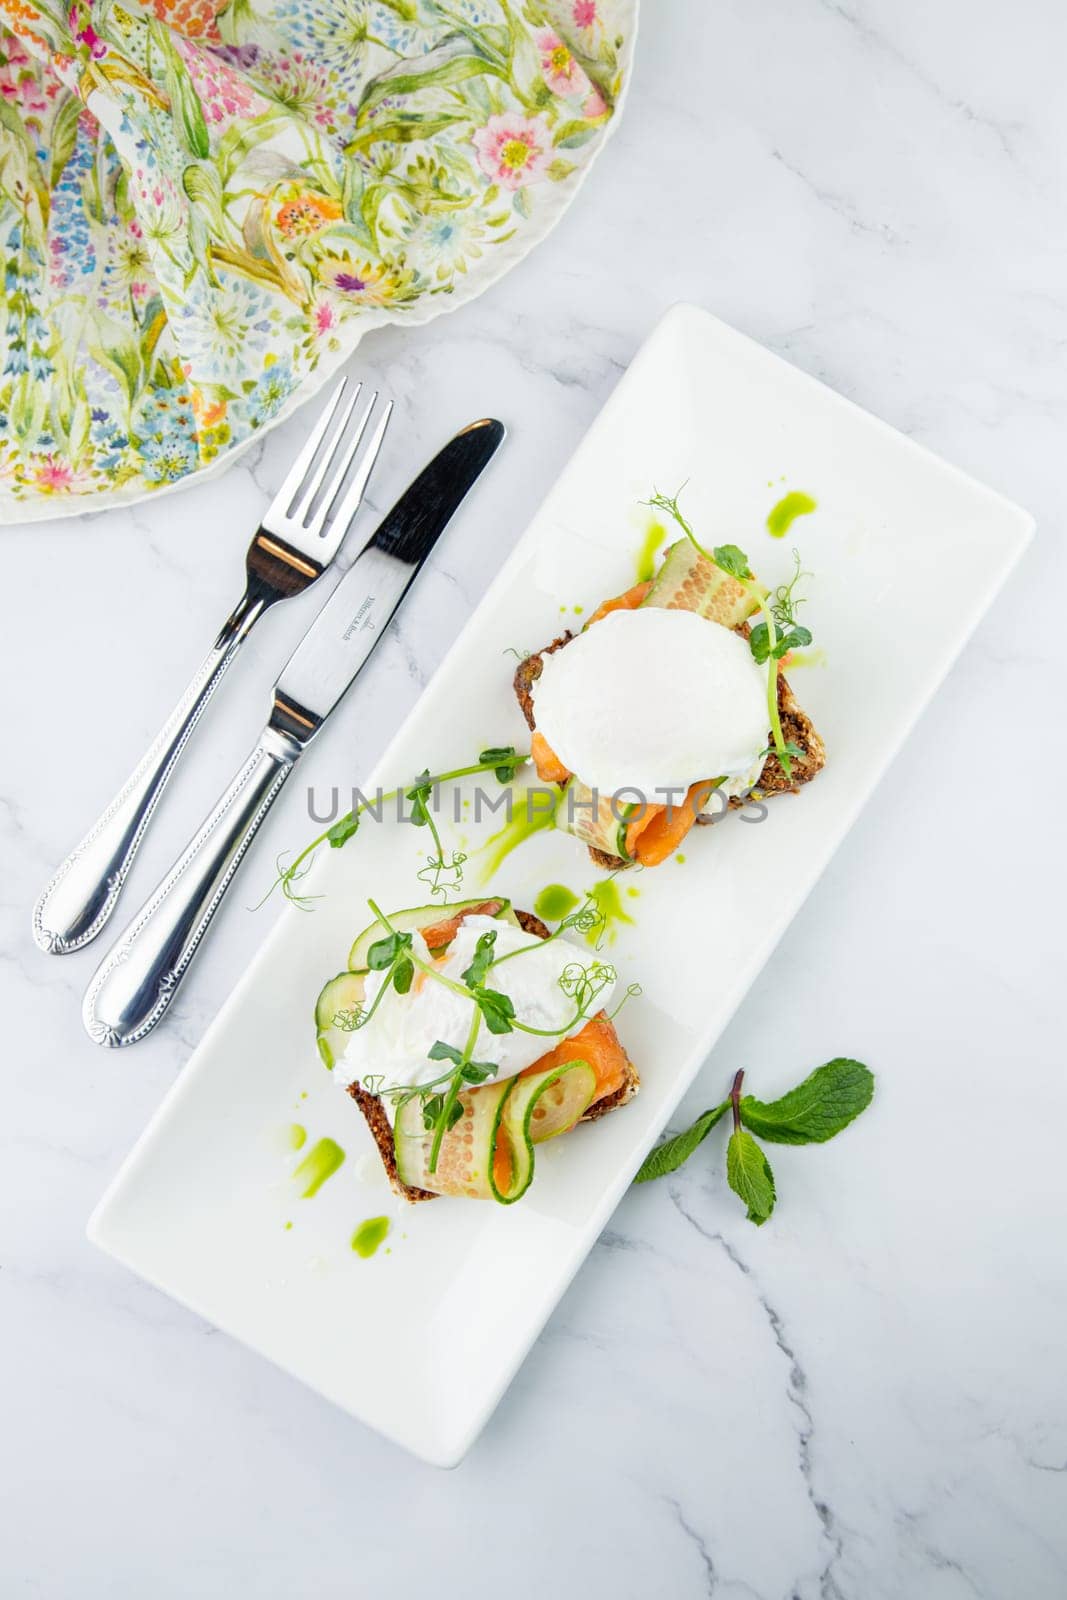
[84,891]
[143,970]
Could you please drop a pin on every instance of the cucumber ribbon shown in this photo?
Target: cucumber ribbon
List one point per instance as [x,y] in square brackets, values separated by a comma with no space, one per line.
[489,1153]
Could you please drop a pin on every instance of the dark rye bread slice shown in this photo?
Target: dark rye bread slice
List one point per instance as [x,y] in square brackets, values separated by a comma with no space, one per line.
[797,727]
[382,1133]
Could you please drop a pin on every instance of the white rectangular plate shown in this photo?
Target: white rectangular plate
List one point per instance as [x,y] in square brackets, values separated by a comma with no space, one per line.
[421,1341]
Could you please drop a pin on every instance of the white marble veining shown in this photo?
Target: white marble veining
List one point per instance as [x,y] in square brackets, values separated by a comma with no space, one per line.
[863,1400]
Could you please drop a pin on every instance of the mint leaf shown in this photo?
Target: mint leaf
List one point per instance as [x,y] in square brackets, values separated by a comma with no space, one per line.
[342,830]
[827,1101]
[672,1153]
[749,1175]
[732,560]
[474,976]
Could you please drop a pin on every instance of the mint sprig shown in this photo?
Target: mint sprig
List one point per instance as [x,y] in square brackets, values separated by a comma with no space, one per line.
[817,1109]
[748,1172]
[673,1153]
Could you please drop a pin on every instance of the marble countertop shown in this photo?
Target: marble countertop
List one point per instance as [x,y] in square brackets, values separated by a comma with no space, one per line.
[864,1400]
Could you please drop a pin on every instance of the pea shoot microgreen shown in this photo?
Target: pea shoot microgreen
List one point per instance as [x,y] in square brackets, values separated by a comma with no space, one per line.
[474,976]
[770,639]
[442,872]
[497,1010]
[471,1071]
[396,956]
[504,760]
[817,1109]
[443,1118]
[584,984]
[342,830]
[384,952]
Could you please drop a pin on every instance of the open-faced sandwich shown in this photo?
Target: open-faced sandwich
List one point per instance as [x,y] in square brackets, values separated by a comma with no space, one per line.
[467,1034]
[670,705]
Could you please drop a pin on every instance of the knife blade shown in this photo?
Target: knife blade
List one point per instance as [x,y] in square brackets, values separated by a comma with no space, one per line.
[138,978]
[342,636]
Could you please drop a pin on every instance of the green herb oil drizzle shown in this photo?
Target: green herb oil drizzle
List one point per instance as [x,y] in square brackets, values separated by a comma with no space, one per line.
[645,565]
[525,822]
[369,1235]
[320,1164]
[781,517]
[554,902]
[608,901]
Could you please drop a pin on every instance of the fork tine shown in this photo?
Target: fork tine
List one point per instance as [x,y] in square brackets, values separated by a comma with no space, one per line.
[329,455]
[342,455]
[340,519]
[279,506]
[343,458]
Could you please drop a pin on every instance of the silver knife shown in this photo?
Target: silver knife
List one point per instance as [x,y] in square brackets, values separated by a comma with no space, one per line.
[142,972]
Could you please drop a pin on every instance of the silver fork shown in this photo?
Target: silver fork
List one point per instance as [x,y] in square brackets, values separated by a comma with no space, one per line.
[294,544]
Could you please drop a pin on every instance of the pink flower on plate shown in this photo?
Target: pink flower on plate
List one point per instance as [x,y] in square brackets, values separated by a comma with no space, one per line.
[561,72]
[53,476]
[19,83]
[594,105]
[514,150]
[584,13]
[84,32]
[325,318]
[223,94]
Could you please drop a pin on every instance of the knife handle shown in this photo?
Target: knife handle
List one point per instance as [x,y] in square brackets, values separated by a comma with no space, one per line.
[85,890]
[140,975]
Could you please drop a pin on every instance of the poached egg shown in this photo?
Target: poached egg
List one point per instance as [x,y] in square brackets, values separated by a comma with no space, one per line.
[651,699]
[395,1044]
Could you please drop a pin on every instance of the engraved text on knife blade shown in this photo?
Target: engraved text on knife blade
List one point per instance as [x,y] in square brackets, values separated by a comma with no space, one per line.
[361,620]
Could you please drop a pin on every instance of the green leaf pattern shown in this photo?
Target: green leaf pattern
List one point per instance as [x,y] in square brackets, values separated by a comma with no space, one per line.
[204,209]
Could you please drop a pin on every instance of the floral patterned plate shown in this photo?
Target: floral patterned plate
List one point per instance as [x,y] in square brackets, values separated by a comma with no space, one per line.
[203,209]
